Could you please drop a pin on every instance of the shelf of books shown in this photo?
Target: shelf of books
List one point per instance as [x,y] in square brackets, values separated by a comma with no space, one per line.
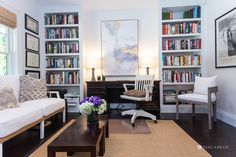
[62,51]
[181,48]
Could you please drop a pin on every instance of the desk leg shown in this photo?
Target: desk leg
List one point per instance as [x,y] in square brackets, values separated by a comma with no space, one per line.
[51,153]
[102,144]
[94,152]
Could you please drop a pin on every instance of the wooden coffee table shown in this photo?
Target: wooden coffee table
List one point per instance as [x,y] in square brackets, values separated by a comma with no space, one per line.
[81,137]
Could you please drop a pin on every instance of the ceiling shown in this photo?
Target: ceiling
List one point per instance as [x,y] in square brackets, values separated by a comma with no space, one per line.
[102,4]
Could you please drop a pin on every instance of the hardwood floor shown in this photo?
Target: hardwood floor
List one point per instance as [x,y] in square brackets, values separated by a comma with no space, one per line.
[220,142]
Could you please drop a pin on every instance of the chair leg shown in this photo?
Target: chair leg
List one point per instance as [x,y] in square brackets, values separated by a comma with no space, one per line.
[134,117]
[214,112]
[209,116]
[1,150]
[147,115]
[177,109]
[42,130]
[128,112]
[193,110]
[64,116]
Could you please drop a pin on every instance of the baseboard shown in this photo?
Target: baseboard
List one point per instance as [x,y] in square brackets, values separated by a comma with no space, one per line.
[226,117]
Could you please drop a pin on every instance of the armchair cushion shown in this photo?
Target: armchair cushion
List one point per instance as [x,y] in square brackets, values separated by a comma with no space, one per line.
[196,97]
[135,93]
[202,84]
[32,88]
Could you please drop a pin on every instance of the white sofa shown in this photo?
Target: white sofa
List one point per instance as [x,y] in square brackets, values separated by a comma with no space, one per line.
[14,121]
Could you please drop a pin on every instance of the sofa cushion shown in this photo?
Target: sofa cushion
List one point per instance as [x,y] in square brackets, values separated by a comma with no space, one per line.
[196,97]
[32,88]
[202,84]
[14,119]
[135,93]
[47,105]
[7,98]
[13,82]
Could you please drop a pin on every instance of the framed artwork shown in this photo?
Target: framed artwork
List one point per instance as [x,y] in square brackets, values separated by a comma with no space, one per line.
[225,40]
[119,42]
[32,59]
[31,42]
[32,73]
[31,24]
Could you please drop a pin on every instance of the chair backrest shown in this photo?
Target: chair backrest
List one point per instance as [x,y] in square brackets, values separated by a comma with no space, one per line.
[143,80]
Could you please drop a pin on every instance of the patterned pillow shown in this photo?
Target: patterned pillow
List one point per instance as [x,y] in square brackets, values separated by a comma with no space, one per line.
[32,88]
[7,98]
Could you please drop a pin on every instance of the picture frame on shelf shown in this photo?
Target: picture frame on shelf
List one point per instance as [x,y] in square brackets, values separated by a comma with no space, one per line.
[31,42]
[225,40]
[33,73]
[119,43]
[31,24]
[32,59]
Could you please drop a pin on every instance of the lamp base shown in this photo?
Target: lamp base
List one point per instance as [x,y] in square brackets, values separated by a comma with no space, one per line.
[147,70]
[93,77]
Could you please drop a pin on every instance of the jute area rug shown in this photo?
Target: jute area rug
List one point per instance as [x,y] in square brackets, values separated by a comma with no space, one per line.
[167,139]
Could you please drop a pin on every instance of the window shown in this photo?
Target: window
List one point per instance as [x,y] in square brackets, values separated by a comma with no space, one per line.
[5,49]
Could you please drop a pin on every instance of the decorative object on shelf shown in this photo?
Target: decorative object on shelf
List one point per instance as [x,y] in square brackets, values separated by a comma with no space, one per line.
[32,73]
[31,42]
[92,63]
[147,62]
[225,40]
[91,107]
[31,24]
[32,59]
[99,78]
[119,47]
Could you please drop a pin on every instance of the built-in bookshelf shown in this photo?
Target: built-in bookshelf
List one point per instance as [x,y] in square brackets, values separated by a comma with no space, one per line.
[181,48]
[63,56]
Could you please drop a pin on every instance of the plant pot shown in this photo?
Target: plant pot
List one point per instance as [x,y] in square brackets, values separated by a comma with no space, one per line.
[92,118]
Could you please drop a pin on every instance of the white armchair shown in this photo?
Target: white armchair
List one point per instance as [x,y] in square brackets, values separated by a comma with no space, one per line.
[142,91]
[204,93]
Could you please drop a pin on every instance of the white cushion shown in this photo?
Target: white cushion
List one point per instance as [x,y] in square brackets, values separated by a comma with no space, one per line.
[14,119]
[11,81]
[47,105]
[196,97]
[202,84]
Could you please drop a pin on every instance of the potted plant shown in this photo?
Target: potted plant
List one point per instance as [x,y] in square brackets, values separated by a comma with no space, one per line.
[91,107]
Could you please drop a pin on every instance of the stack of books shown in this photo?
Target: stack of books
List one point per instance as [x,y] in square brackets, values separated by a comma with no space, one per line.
[62,63]
[181,44]
[195,12]
[60,33]
[181,28]
[177,77]
[61,47]
[65,77]
[184,60]
[167,15]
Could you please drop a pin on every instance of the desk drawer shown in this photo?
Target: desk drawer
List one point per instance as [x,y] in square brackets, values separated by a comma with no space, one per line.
[96,84]
[98,90]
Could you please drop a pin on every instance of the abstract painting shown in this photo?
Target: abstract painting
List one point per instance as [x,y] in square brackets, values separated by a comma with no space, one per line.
[225,32]
[119,47]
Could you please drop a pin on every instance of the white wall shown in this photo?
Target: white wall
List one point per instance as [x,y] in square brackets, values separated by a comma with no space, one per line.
[147,33]
[20,7]
[225,77]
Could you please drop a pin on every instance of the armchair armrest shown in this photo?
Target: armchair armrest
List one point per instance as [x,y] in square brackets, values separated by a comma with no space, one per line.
[212,90]
[125,86]
[54,92]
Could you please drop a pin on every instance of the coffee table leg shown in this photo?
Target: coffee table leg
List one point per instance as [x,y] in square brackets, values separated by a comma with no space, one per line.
[107,129]
[102,144]
[94,152]
[51,153]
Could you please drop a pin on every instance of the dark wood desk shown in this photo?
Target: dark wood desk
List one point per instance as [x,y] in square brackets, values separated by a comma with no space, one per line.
[81,137]
[111,91]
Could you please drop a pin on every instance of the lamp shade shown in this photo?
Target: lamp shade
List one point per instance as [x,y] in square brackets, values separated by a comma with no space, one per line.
[147,61]
[93,62]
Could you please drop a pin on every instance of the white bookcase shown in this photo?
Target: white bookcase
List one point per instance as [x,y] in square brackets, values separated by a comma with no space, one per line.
[62,50]
[181,48]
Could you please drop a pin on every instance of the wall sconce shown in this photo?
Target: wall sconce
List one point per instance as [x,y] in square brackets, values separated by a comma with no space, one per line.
[93,63]
[147,62]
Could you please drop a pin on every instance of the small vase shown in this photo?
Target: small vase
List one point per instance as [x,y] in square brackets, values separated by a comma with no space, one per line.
[92,118]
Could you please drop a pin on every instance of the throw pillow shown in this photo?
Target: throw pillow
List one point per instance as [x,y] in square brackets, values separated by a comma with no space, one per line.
[7,98]
[202,84]
[32,88]
[135,93]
